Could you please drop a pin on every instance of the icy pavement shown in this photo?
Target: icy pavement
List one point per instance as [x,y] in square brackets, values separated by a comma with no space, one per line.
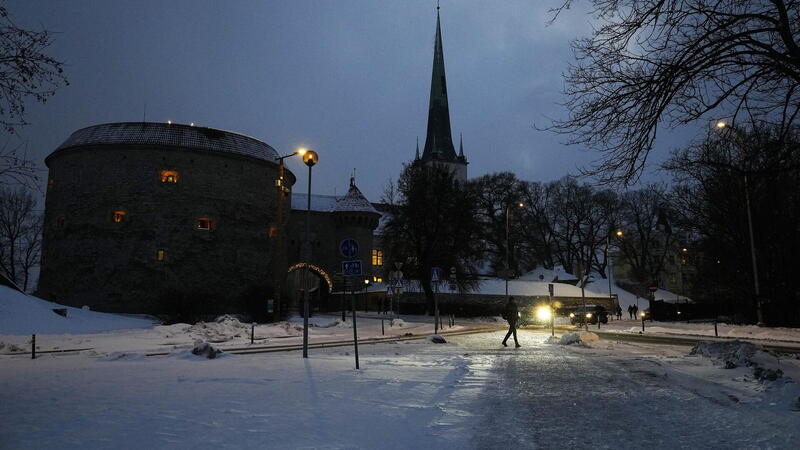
[468,393]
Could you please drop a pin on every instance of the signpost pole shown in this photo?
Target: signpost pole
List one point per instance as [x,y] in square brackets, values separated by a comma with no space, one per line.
[355,329]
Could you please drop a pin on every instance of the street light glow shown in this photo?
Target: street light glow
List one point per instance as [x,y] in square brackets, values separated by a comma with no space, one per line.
[521,205]
[543,313]
[721,124]
[301,151]
[619,233]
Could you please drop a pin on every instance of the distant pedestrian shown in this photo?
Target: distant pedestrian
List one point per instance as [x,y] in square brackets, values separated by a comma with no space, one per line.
[619,312]
[635,311]
[511,314]
[630,311]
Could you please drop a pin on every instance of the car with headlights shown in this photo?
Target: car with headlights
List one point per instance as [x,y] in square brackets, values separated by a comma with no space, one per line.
[588,313]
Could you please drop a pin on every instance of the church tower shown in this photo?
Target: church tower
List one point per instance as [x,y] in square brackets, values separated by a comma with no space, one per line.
[439,148]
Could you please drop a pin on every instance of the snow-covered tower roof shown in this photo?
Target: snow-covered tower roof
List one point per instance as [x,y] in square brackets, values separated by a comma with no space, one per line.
[354,201]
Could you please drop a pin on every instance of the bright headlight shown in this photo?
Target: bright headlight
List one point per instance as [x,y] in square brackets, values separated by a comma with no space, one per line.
[543,313]
[588,315]
[571,315]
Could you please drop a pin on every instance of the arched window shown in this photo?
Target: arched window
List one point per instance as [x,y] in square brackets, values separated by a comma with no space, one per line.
[161,254]
[119,216]
[377,257]
[169,176]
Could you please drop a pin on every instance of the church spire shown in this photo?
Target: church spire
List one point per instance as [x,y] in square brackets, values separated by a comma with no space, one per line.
[439,141]
[461,146]
[417,157]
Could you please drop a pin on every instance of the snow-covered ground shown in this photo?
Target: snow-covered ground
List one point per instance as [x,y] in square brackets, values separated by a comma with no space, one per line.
[468,393]
[707,329]
[26,314]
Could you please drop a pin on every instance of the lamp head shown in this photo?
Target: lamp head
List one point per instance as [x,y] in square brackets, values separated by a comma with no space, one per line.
[520,205]
[310,158]
[619,233]
[721,124]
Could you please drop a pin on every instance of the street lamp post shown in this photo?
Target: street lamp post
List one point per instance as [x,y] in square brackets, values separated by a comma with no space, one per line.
[280,183]
[618,233]
[508,245]
[310,158]
[759,314]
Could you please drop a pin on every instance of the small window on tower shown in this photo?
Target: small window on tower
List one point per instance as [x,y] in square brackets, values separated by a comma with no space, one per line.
[119,216]
[377,257]
[273,232]
[169,176]
[204,223]
[160,254]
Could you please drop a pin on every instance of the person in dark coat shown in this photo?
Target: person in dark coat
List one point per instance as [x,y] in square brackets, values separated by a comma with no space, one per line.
[635,311]
[511,314]
[619,312]
[630,311]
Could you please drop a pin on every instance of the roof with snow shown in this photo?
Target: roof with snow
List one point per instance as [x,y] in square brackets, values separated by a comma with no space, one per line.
[354,200]
[320,203]
[169,135]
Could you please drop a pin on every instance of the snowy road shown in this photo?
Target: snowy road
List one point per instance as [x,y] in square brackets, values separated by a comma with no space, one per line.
[469,393]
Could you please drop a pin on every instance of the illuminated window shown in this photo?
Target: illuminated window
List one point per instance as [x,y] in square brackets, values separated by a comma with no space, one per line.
[60,221]
[377,257]
[376,279]
[169,176]
[160,254]
[273,232]
[204,223]
[119,216]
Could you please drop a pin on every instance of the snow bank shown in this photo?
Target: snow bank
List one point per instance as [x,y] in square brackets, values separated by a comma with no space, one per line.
[585,338]
[26,314]
[223,329]
[741,354]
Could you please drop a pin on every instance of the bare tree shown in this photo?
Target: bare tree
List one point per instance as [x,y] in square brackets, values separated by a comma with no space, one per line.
[25,70]
[655,62]
[20,234]
[648,232]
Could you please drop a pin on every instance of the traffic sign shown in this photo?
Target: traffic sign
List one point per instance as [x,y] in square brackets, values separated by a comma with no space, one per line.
[436,274]
[452,286]
[398,283]
[351,268]
[348,248]
[653,288]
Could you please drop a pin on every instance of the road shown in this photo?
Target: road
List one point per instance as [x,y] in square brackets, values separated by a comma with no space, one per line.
[624,396]
[469,393]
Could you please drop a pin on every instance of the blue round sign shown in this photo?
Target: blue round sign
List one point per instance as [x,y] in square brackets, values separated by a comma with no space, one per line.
[349,248]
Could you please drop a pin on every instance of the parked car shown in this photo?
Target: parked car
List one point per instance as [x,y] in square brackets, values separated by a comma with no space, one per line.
[590,313]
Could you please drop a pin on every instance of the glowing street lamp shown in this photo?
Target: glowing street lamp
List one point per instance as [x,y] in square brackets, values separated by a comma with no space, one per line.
[310,158]
[721,125]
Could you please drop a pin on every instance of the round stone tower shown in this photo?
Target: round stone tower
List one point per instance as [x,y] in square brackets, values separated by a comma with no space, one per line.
[137,213]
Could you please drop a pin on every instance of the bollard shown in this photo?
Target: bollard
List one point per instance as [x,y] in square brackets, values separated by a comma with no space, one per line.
[598,322]
[642,322]
[33,346]
[716,334]
[383,331]
[253,333]
[355,333]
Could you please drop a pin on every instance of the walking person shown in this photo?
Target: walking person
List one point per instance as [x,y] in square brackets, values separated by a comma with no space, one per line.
[635,311]
[619,312]
[630,311]
[511,314]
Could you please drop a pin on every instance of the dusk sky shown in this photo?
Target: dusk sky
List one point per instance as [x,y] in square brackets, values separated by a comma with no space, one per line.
[349,79]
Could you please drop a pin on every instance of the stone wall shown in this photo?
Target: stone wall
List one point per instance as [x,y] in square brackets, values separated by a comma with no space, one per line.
[88,258]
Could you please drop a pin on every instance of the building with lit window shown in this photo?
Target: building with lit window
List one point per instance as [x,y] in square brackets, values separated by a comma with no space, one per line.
[137,212]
